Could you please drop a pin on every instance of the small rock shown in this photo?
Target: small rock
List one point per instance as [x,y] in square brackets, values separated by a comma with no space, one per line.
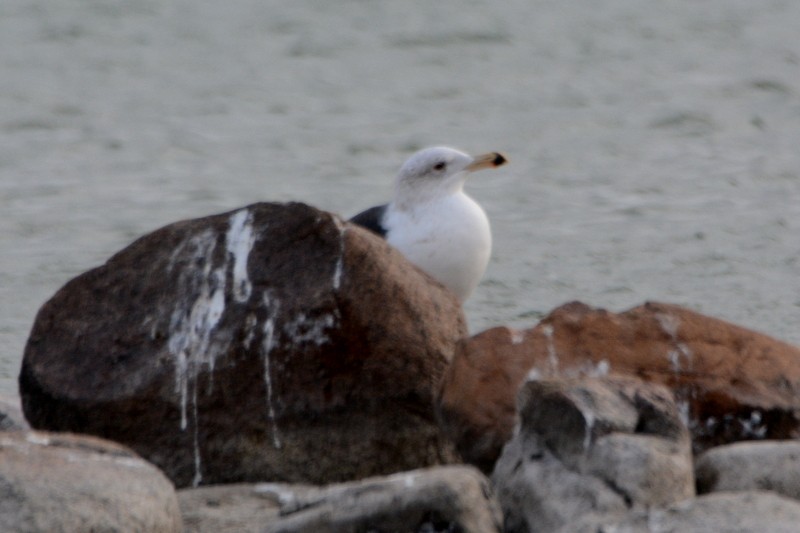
[740,512]
[773,465]
[230,348]
[591,446]
[61,482]
[443,499]
[731,383]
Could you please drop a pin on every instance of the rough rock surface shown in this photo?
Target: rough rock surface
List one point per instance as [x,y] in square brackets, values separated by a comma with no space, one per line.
[451,498]
[274,342]
[739,512]
[454,498]
[772,465]
[62,482]
[593,446]
[233,508]
[731,383]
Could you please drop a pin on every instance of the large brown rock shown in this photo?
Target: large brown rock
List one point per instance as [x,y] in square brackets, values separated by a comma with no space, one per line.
[274,342]
[61,482]
[730,382]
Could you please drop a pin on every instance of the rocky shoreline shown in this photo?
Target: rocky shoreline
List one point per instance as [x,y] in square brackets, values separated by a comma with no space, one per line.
[277,369]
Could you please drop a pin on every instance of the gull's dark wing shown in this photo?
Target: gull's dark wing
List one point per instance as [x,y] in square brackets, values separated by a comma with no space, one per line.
[372,219]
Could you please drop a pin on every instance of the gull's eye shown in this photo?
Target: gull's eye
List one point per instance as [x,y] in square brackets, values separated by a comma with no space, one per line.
[441,165]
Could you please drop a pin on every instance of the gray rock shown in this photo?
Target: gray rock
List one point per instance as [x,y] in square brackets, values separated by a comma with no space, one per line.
[539,493]
[728,512]
[765,465]
[455,498]
[451,498]
[230,348]
[60,482]
[591,447]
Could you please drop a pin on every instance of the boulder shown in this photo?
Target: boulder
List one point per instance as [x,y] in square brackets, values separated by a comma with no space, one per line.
[771,465]
[730,383]
[591,447]
[274,342]
[740,512]
[62,482]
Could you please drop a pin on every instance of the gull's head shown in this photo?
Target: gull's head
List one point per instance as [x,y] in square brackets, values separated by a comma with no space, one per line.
[441,171]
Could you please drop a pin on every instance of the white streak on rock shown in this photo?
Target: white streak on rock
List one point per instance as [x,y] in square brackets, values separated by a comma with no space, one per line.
[674,360]
[552,356]
[182,383]
[198,476]
[517,336]
[683,409]
[194,341]
[589,417]
[670,324]
[267,344]
[250,324]
[239,242]
[339,268]
[191,328]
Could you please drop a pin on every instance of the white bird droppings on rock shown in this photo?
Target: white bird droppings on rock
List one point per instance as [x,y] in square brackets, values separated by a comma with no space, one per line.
[552,355]
[339,268]
[239,241]
[267,344]
[681,353]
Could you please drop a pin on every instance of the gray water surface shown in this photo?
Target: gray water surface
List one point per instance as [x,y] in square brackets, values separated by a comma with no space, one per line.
[654,147]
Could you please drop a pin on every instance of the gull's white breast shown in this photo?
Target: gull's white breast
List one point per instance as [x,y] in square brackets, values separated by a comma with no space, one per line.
[449,238]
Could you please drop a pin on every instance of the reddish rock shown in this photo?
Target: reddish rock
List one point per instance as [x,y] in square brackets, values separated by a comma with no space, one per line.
[274,342]
[730,382]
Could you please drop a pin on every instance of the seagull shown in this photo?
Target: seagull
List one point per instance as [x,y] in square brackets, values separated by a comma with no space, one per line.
[433,222]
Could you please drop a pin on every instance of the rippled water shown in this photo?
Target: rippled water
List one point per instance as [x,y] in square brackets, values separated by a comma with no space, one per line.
[654,147]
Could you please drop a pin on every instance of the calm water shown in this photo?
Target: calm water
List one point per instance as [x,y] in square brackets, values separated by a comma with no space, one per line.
[655,147]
